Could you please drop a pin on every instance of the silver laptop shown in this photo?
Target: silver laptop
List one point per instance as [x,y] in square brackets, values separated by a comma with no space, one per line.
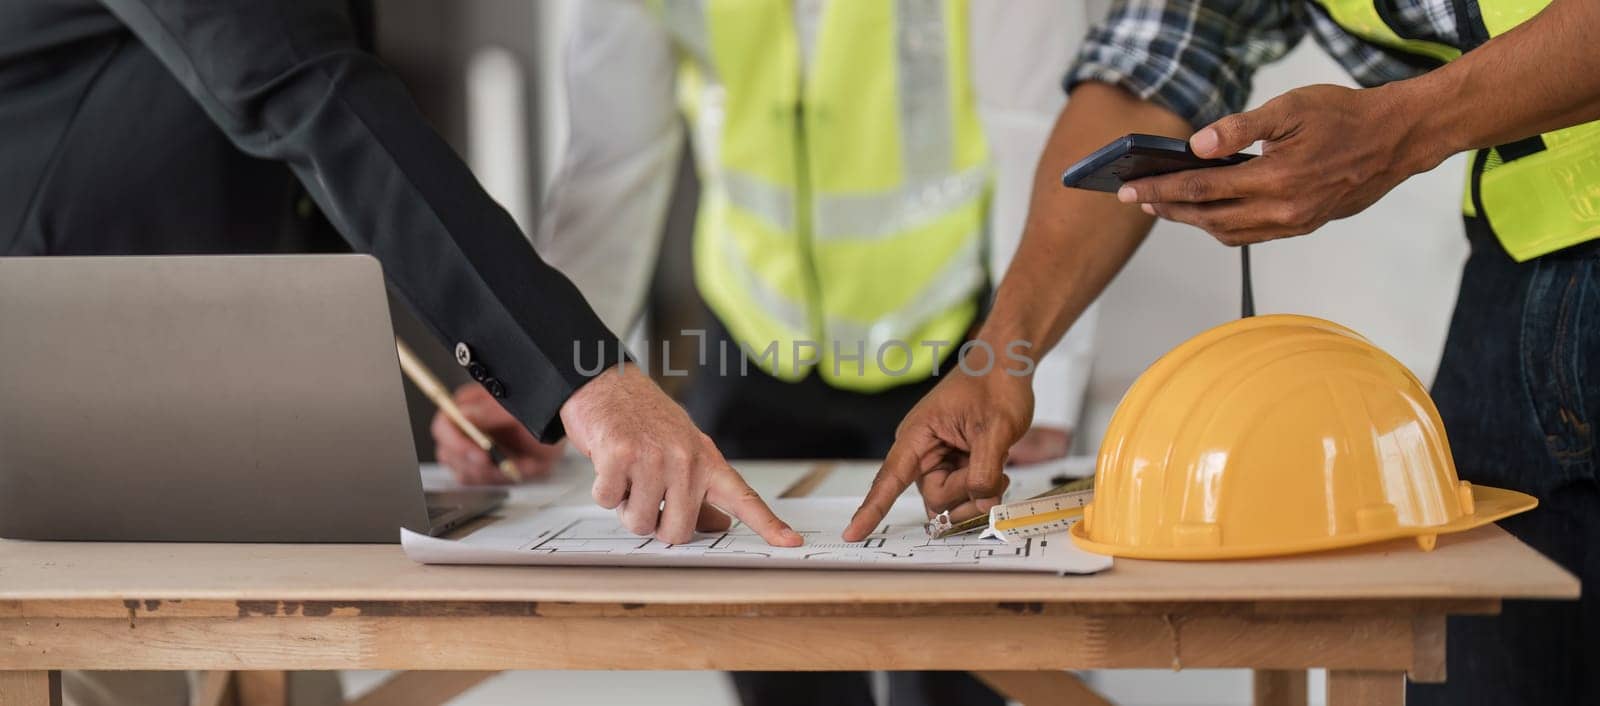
[216,399]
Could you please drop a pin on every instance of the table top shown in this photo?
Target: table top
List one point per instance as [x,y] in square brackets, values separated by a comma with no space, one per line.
[1486,563]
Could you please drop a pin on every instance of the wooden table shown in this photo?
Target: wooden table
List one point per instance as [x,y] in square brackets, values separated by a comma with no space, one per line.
[1371,616]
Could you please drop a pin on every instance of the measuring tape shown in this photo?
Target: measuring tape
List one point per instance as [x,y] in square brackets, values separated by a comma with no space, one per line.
[1044,515]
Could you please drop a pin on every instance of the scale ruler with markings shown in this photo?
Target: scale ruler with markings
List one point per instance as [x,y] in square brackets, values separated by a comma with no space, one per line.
[941,527]
[1043,515]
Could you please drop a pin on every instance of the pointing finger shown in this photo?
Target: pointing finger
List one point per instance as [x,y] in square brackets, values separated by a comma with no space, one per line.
[729,492]
[898,472]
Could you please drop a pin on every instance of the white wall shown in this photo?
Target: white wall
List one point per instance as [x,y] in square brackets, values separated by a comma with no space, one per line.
[1389,273]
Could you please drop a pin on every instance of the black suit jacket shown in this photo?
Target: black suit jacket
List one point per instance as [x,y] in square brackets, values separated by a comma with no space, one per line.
[144,126]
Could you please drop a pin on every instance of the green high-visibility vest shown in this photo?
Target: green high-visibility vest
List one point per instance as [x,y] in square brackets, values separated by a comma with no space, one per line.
[844,182]
[1540,194]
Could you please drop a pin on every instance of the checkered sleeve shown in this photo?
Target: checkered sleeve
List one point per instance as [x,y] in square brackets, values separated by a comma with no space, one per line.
[1193,57]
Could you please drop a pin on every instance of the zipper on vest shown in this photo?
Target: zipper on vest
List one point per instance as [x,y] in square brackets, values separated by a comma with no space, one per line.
[802,217]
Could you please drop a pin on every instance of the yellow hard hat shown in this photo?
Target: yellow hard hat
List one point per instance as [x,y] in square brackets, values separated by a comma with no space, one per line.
[1277,435]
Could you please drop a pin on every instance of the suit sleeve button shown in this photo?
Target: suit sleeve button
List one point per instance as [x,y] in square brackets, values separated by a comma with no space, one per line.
[463,355]
[495,387]
[478,372]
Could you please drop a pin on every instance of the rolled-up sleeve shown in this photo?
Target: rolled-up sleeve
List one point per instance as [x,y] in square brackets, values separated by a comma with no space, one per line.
[1193,57]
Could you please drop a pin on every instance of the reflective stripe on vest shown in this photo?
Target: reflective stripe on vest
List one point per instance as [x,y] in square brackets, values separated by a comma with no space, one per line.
[1539,195]
[844,200]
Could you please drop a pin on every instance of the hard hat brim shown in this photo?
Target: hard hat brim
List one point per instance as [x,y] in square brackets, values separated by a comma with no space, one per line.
[1489,505]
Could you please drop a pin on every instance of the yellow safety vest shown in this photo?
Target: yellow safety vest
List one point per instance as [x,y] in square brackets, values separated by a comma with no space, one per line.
[1540,194]
[844,185]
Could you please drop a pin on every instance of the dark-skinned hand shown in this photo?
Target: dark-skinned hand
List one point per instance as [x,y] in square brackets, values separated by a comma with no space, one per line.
[1328,152]
[953,446]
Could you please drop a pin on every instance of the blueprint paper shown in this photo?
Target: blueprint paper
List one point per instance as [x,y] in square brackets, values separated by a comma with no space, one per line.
[592,536]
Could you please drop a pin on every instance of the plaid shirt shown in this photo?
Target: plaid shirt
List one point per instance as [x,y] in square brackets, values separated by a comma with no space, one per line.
[1197,57]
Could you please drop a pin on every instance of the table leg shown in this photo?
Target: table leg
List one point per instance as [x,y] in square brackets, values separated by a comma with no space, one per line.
[262,688]
[214,689]
[1280,687]
[422,688]
[30,688]
[1358,688]
[1045,688]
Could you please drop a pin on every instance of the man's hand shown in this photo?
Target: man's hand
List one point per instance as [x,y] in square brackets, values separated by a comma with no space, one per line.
[647,452]
[953,446]
[470,464]
[1040,444]
[1328,153]
[954,442]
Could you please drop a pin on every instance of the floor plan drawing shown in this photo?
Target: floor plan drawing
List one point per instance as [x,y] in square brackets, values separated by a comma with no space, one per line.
[590,536]
[892,542]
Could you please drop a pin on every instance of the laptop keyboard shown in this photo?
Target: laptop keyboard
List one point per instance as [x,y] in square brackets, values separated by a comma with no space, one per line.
[453,507]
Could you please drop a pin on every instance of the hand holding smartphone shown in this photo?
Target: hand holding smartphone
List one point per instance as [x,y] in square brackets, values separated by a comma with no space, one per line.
[1137,156]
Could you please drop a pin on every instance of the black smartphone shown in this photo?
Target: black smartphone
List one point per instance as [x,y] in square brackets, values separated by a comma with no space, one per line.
[1138,156]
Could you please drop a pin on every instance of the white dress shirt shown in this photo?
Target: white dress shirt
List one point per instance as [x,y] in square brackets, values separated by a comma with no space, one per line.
[605,210]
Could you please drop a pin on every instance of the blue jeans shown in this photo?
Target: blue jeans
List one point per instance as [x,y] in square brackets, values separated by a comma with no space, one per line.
[1519,391]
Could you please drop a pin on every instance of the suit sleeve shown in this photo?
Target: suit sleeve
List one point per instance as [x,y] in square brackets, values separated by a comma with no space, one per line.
[285,80]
